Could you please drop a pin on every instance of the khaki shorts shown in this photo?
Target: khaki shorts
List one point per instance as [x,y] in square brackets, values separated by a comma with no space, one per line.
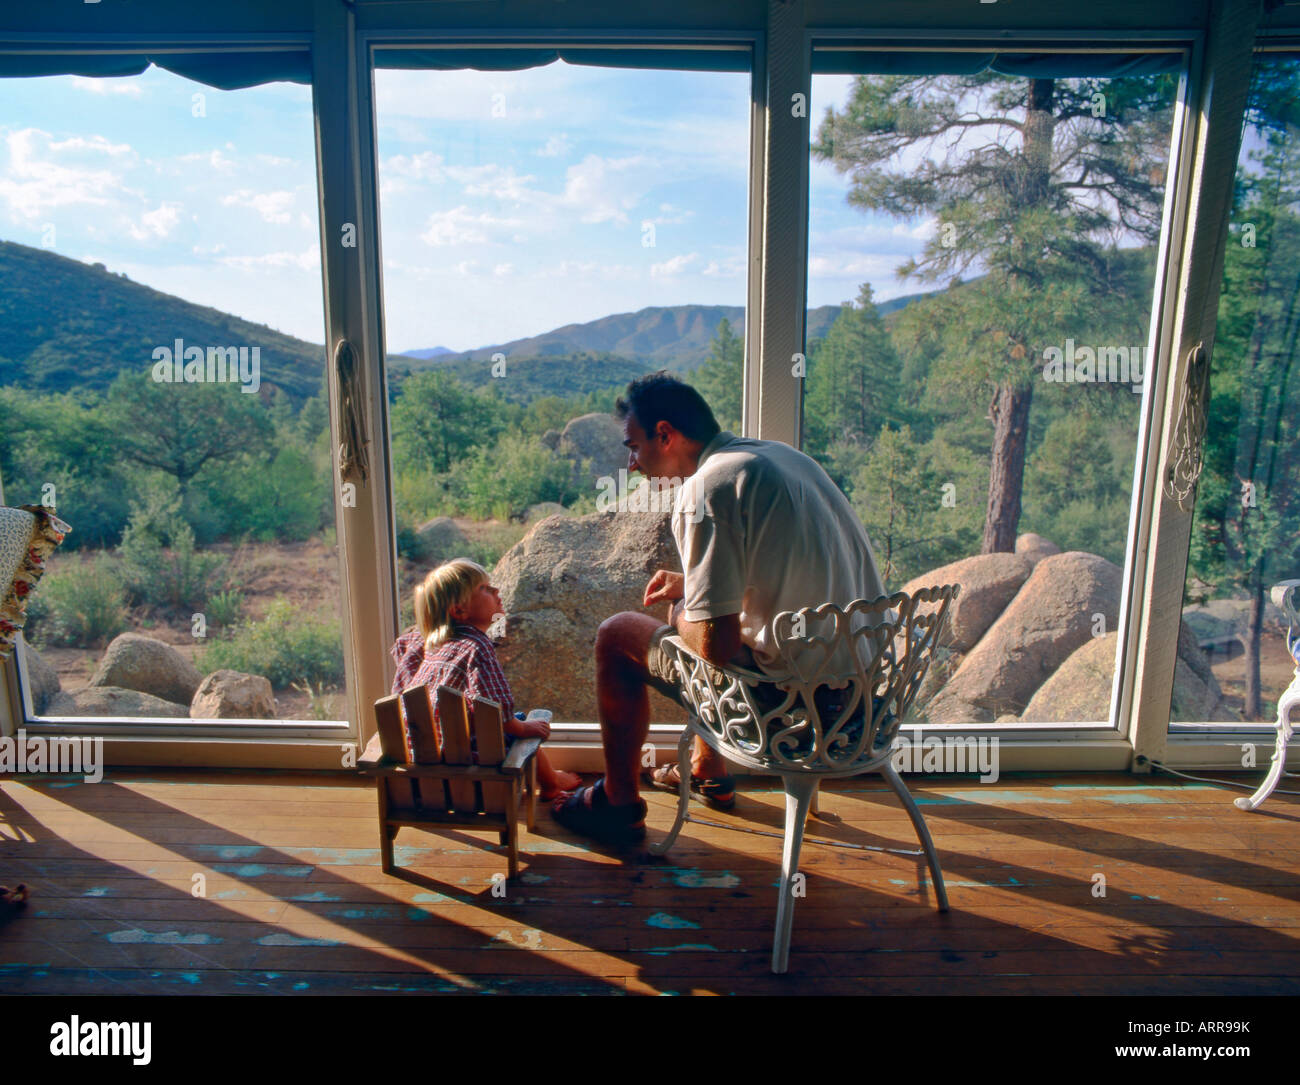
[663,677]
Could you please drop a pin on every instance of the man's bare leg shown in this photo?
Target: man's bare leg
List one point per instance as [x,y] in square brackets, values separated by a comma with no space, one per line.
[623,704]
[623,699]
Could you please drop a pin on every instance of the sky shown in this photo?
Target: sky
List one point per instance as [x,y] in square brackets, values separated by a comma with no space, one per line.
[511,203]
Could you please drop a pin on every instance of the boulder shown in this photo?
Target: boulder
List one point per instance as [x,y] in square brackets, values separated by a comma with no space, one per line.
[43,679]
[558,583]
[1035,547]
[1194,701]
[1191,653]
[988,583]
[1051,616]
[113,701]
[137,662]
[942,667]
[543,510]
[440,539]
[597,441]
[1080,690]
[551,439]
[232,695]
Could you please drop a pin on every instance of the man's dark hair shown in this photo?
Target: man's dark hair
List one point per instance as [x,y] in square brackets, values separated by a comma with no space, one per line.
[661,397]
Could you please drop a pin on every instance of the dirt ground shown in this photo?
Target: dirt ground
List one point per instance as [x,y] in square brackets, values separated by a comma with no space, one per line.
[305,573]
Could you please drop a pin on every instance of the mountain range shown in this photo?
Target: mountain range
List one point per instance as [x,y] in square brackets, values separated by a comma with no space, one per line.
[676,337]
[68,324]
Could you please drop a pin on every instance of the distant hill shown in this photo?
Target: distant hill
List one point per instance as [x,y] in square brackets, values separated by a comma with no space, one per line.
[676,337]
[431,352]
[65,324]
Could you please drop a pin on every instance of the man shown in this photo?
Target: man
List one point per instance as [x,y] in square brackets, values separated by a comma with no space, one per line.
[760,529]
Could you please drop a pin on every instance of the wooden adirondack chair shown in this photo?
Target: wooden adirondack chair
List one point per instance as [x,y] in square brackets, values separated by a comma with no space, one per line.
[436,782]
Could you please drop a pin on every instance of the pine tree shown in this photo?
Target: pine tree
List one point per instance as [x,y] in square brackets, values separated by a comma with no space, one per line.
[1060,167]
[720,378]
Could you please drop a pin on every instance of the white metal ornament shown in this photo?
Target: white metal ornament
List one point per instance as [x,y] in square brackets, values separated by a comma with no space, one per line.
[1284,596]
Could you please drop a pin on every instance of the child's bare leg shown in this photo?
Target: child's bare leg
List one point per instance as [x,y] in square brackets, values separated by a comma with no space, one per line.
[550,780]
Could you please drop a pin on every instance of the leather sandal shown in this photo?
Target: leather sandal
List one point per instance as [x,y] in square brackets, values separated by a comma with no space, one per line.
[718,792]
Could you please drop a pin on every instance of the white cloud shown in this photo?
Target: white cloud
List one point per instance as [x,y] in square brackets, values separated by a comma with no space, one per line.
[605,189]
[674,266]
[307,260]
[670,215]
[212,159]
[502,270]
[272,206]
[97,144]
[33,184]
[425,166]
[873,266]
[556,146]
[461,226]
[724,269]
[156,223]
[492,180]
[108,85]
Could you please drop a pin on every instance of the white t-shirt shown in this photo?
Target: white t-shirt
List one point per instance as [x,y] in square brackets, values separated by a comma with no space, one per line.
[773,533]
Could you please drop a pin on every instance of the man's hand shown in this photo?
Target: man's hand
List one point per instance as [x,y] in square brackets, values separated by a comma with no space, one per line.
[664,585]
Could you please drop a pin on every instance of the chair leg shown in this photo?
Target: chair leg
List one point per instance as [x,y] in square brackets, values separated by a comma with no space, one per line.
[386,832]
[1285,729]
[683,793]
[532,794]
[799,791]
[512,828]
[922,831]
[815,806]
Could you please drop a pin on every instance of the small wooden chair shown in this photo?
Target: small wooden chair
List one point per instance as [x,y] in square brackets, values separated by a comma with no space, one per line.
[436,782]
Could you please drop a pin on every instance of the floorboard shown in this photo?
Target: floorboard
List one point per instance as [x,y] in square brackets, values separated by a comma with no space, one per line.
[179,882]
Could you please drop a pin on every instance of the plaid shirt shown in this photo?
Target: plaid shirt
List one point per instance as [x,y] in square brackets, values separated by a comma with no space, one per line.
[467,662]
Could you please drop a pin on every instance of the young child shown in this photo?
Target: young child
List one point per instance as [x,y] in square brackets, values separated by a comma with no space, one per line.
[449,647]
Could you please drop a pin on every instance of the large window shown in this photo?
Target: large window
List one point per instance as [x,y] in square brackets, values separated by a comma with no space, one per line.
[161,387]
[1246,520]
[548,235]
[982,257]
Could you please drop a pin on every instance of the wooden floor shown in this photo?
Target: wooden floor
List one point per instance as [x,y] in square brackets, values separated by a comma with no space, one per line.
[190,881]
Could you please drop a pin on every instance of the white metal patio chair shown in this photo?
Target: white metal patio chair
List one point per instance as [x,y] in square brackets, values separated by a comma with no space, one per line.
[1284,596]
[792,725]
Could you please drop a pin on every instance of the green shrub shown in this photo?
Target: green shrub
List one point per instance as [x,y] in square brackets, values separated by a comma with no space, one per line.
[77,607]
[225,608]
[515,473]
[286,647]
[161,564]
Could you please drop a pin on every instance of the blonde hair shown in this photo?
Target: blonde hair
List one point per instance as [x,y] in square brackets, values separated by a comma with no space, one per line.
[450,584]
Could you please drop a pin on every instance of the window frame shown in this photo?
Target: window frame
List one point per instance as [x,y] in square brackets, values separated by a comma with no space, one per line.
[343,105]
[1084,742]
